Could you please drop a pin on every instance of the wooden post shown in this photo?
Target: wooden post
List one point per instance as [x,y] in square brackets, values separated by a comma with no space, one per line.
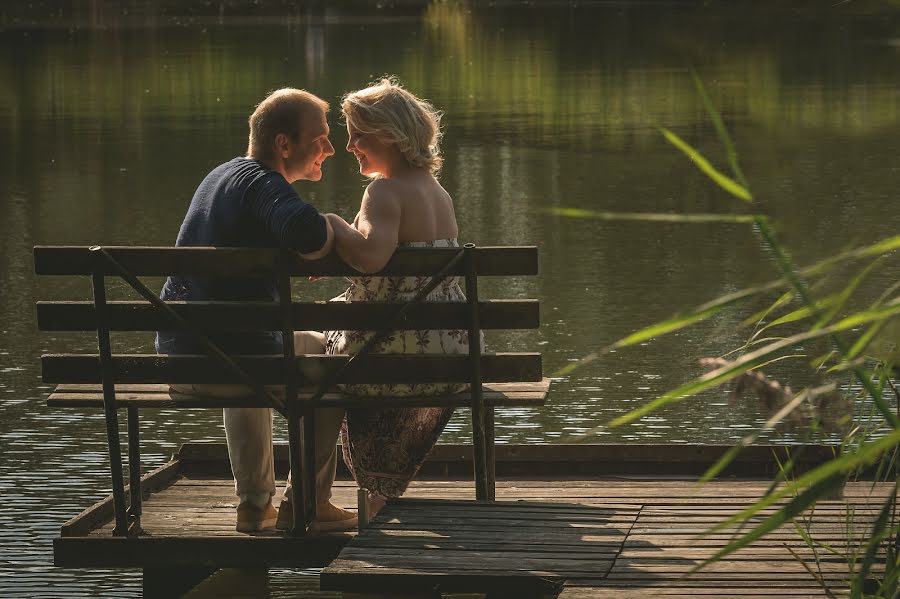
[109,394]
[362,508]
[482,486]
[308,438]
[490,456]
[135,507]
[295,439]
[173,581]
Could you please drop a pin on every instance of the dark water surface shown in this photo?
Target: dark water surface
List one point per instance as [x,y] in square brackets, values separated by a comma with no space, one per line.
[110,116]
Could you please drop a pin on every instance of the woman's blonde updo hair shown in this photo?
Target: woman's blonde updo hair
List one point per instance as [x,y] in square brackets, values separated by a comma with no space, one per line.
[396,116]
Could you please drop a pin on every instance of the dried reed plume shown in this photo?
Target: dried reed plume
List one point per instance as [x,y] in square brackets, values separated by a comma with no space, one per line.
[814,406]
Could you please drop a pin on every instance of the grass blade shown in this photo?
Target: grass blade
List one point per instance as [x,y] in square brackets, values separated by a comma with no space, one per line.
[841,298]
[880,531]
[720,130]
[843,465]
[755,319]
[657,217]
[788,512]
[723,181]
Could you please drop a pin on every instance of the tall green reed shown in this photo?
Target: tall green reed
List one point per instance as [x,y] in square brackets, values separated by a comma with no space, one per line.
[872,441]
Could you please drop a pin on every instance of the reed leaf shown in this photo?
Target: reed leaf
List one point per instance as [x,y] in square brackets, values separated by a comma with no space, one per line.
[659,217]
[758,317]
[722,132]
[880,531]
[884,246]
[723,181]
[820,361]
[864,455]
[673,324]
[786,513]
[840,299]
[726,459]
[795,315]
[863,341]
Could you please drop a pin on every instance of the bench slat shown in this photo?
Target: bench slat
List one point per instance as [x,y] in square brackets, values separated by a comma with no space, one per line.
[163,261]
[243,316]
[376,368]
[159,396]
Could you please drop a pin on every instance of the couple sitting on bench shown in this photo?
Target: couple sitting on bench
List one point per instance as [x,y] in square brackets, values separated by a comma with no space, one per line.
[249,202]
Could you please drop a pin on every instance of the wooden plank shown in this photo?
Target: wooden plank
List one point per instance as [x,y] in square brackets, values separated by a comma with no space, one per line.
[256,262]
[796,591]
[91,396]
[461,559]
[376,368]
[235,552]
[410,581]
[103,511]
[579,466]
[265,316]
[501,563]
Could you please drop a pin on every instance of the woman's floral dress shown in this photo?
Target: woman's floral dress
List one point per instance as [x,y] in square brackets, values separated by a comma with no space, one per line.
[384,448]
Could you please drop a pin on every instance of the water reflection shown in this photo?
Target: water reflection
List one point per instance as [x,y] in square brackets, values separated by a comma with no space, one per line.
[109,117]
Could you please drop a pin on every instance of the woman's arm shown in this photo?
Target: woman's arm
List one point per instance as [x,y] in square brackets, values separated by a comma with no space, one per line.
[326,247]
[369,244]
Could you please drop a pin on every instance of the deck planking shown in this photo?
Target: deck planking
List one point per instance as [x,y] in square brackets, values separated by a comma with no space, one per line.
[603,537]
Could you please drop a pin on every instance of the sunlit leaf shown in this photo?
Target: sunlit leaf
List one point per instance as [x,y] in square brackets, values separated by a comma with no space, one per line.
[703,164]
[801,313]
[842,297]
[722,132]
[659,217]
[821,360]
[867,337]
[880,531]
[876,249]
[862,456]
[795,315]
[726,459]
[673,324]
[753,319]
[812,493]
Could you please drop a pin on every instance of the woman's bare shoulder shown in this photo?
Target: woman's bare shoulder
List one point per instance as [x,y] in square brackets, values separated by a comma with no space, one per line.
[386,187]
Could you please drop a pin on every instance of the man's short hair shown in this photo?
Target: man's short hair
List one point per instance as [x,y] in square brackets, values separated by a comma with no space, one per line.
[282,111]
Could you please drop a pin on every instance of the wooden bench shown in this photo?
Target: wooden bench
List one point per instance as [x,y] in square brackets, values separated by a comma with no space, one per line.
[113,381]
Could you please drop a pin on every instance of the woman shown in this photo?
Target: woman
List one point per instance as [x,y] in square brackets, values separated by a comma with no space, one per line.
[395,137]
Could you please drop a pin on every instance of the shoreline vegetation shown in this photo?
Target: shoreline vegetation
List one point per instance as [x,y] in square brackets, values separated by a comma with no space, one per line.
[467,47]
[109,12]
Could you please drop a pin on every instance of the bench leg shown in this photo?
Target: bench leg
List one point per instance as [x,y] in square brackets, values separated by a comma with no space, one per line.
[167,582]
[490,453]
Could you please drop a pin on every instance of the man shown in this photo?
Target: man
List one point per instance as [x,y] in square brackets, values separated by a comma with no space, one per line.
[249,202]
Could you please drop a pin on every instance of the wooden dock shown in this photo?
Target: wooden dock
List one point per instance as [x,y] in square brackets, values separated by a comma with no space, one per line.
[560,530]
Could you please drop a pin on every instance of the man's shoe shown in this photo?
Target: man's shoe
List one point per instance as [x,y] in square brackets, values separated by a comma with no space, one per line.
[255,519]
[329,518]
[285,515]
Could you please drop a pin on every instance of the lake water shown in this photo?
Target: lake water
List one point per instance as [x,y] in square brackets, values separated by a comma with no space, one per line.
[110,116]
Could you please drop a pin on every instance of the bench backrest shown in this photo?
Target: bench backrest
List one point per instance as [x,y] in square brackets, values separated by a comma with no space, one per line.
[248,316]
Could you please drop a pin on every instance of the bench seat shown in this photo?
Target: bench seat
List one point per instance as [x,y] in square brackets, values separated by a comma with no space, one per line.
[532,394]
